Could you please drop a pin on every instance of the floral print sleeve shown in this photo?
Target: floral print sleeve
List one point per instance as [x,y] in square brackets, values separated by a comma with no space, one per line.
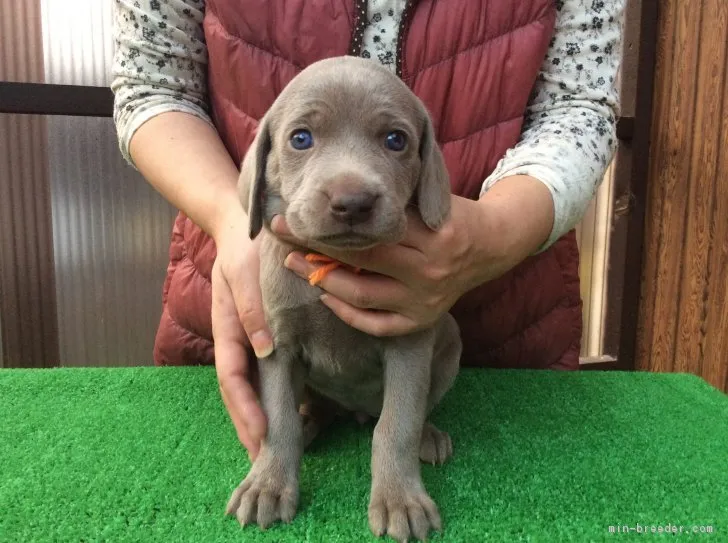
[569,133]
[160,63]
[568,137]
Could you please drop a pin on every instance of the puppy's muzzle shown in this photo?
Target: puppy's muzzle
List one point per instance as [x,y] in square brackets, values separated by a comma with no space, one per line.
[352,205]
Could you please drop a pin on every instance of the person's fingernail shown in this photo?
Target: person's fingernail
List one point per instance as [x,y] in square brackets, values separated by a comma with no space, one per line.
[262,344]
[294,264]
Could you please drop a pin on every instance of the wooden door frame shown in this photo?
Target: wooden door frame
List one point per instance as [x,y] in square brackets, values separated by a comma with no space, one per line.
[631,165]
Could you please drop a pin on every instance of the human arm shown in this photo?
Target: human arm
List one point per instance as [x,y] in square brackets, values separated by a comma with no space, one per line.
[569,132]
[165,131]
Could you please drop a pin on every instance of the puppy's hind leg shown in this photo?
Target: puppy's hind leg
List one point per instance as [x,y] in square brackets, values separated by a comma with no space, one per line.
[436,445]
[318,413]
[270,490]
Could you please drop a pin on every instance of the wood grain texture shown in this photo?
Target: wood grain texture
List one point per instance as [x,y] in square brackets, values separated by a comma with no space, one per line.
[653,211]
[714,363]
[27,284]
[683,309]
[21,41]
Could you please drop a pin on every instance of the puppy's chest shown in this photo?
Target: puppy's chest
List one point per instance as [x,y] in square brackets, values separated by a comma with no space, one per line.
[339,361]
[344,369]
[328,348]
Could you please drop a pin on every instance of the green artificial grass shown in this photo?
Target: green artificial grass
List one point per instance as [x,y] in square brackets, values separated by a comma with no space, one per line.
[148,454]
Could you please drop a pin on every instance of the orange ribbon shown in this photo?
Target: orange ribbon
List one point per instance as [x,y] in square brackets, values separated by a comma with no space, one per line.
[328,264]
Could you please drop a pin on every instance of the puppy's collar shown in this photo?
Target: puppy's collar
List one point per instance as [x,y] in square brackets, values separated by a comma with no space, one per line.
[328,264]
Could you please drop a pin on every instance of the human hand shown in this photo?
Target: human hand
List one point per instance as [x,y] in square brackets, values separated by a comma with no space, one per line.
[237,322]
[420,278]
[414,282]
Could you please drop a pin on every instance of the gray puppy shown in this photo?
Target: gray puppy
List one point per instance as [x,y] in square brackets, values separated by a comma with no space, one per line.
[343,152]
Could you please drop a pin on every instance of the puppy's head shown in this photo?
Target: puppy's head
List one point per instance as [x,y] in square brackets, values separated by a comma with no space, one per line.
[342,153]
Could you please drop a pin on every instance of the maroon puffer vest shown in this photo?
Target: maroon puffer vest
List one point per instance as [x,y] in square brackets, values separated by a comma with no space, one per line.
[473,63]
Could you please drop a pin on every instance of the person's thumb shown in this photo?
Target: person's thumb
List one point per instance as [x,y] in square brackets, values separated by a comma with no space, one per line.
[246,292]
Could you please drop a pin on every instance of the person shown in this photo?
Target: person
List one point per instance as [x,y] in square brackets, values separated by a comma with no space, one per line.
[524,100]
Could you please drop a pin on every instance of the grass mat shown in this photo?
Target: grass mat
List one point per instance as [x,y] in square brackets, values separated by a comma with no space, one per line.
[148,454]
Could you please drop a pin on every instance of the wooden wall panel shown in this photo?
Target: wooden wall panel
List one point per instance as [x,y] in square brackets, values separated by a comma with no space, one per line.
[21,41]
[683,307]
[714,363]
[27,286]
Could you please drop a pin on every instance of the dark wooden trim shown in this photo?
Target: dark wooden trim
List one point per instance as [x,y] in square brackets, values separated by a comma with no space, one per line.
[48,99]
[630,191]
[625,128]
[85,101]
[600,363]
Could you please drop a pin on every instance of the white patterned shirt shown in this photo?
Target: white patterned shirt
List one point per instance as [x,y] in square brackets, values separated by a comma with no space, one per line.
[568,137]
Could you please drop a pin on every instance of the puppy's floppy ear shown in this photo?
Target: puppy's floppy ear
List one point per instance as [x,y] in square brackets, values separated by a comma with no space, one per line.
[252,180]
[432,194]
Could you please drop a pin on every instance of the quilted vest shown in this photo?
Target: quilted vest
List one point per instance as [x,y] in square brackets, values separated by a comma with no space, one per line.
[473,63]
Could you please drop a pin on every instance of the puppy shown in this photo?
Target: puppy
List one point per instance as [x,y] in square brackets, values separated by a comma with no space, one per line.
[343,152]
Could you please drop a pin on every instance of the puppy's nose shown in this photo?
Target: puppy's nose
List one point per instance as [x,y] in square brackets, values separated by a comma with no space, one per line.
[352,207]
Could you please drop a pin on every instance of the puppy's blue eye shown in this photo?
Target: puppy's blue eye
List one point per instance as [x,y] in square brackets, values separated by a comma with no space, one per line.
[396,140]
[301,140]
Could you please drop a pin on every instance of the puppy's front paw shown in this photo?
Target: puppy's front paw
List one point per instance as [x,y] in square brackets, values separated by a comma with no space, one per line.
[265,496]
[402,510]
